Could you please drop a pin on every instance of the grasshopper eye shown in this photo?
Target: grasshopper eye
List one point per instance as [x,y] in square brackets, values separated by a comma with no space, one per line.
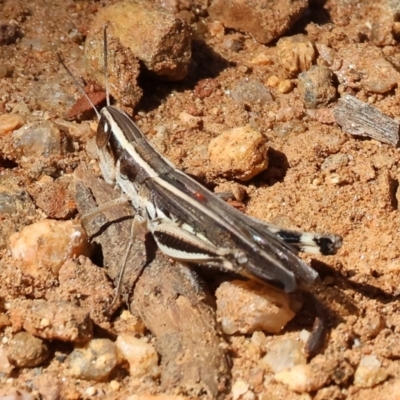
[103,132]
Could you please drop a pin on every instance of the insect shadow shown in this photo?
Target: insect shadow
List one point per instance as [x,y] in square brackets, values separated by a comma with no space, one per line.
[278,166]
[334,300]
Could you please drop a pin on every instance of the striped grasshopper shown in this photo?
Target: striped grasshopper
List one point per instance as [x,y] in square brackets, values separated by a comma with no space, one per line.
[188,222]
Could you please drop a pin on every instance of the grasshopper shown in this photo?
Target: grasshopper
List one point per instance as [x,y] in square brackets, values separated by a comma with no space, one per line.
[191,224]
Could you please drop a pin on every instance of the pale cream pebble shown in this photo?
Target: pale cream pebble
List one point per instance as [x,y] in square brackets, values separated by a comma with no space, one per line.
[5,365]
[240,153]
[304,335]
[259,339]
[283,221]
[45,245]
[273,81]
[189,120]
[369,372]
[45,179]
[44,323]
[4,320]
[216,28]
[261,59]
[91,391]
[114,385]
[239,388]
[249,395]
[334,179]
[10,122]
[302,378]
[285,86]
[284,354]
[247,306]
[141,356]
[136,325]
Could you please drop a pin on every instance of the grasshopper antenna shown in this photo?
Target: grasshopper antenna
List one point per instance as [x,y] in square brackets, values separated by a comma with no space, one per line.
[78,85]
[106,66]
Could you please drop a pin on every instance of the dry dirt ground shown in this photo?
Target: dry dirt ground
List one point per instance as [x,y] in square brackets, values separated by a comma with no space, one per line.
[356,198]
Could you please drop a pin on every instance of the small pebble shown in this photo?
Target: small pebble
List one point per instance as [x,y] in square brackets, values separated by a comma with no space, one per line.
[316,86]
[251,92]
[41,139]
[372,324]
[259,339]
[296,54]
[55,198]
[302,378]
[247,306]
[262,59]
[10,122]
[137,31]
[26,350]
[95,361]
[51,94]
[304,335]
[189,120]
[205,88]
[240,153]
[273,81]
[369,372]
[141,356]
[63,320]
[114,385]
[284,354]
[5,366]
[91,391]
[233,189]
[233,43]
[45,245]
[285,129]
[365,67]
[264,22]
[285,86]
[335,179]
[239,388]
[334,161]
[215,28]
[4,320]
